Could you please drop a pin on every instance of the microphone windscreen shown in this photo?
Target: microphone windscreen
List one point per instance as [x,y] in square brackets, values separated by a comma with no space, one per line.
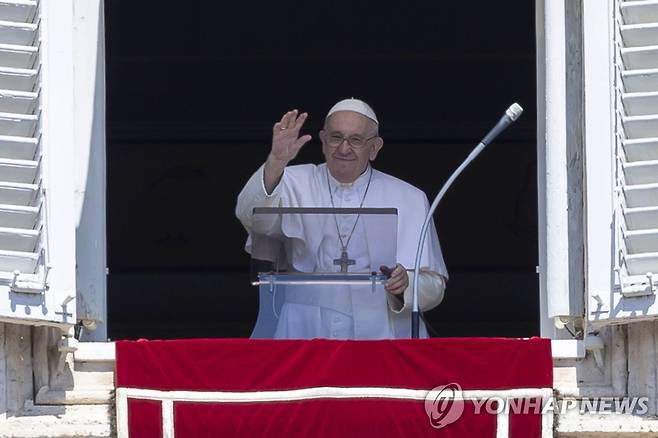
[514,111]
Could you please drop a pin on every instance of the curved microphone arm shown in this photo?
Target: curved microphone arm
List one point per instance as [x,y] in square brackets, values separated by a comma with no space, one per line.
[415,320]
[512,113]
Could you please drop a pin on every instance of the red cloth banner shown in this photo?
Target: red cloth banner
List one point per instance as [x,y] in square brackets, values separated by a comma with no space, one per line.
[295,388]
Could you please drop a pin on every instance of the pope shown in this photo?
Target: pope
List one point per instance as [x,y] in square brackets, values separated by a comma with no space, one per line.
[350,143]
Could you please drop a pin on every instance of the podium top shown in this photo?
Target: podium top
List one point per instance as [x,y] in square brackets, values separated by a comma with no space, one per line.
[322,240]
[324,210]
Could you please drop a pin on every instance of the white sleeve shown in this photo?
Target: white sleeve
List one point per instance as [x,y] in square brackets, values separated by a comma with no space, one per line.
[254,195]
[431,289]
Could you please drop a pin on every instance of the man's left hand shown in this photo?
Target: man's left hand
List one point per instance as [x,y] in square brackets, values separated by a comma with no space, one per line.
[398,281]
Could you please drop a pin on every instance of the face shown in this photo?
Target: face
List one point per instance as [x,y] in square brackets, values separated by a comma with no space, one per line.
[344,161]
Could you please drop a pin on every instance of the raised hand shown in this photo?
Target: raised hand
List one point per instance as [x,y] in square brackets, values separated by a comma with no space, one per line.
[286,142]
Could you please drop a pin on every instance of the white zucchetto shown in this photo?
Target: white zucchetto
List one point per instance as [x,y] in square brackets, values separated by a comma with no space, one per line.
[356,105]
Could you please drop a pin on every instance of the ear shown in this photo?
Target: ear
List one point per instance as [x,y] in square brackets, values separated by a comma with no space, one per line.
[378,144]
[321,135]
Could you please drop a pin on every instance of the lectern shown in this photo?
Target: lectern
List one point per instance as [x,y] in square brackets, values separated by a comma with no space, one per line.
[323,257]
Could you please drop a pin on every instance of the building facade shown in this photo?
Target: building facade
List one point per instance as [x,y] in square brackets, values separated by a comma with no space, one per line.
[597,155]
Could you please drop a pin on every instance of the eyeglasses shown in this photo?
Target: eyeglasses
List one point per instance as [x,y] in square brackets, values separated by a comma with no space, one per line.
[355,141]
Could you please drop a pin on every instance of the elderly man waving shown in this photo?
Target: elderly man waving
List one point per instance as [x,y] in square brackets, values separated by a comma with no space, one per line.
[350,143]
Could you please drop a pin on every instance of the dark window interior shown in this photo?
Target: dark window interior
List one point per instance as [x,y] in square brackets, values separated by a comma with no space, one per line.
[192,94]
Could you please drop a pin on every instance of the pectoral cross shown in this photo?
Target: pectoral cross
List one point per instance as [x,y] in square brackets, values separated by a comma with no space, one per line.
[344,261]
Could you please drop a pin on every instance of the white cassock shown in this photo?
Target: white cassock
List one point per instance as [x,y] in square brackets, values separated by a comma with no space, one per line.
[349,312]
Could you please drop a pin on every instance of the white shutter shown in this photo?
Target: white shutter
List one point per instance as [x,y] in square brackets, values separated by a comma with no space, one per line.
[22,249]
[37,223]
[620,83]
[636,147]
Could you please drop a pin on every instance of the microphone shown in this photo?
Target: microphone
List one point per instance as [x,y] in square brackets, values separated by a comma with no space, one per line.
[512,113]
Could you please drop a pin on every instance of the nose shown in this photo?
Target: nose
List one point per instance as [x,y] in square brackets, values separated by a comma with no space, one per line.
[344,147]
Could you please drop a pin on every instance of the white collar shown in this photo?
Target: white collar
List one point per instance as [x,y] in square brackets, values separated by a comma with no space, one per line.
[358,184]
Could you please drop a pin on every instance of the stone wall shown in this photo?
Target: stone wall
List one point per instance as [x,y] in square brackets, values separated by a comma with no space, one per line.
[16,385]
[73,395]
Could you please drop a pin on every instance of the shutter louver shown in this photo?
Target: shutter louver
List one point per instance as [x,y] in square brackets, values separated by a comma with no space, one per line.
[22,236]
[636,73]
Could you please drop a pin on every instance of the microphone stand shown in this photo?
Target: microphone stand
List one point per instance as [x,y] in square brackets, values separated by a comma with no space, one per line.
[510,116]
